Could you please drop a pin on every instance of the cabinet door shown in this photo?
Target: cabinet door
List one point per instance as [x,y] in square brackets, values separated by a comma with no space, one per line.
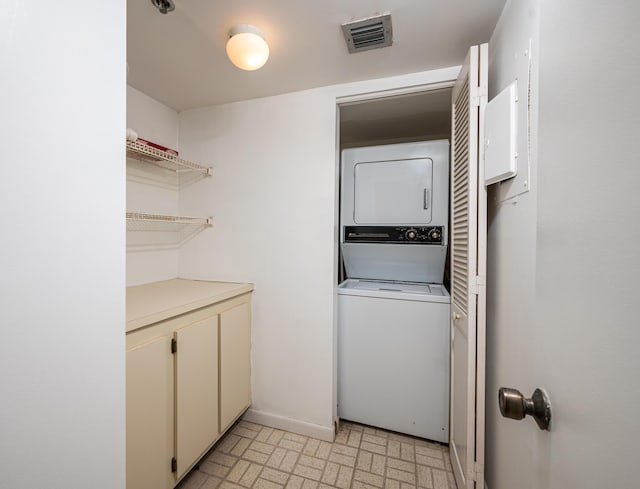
[235,362]
[150,415]
[196,391]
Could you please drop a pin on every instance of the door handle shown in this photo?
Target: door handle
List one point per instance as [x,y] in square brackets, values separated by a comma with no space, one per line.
[514,405]
[426,198]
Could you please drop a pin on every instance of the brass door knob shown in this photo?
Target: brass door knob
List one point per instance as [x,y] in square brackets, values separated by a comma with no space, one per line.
[514,405]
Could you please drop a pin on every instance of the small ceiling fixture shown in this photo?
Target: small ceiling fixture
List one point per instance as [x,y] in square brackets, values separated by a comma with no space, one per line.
[246,47]
[164,6]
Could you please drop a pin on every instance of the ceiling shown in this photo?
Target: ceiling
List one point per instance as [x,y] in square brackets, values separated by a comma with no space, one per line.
[179,58]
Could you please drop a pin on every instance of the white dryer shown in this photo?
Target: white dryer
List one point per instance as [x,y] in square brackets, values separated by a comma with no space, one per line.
[394,211]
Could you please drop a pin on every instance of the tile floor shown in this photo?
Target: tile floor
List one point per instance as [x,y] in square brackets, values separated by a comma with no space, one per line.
[252,456]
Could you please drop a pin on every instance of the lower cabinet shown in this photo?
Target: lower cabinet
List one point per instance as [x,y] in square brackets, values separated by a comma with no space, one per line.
[196,391]
[235,363]
[150,415]
[188,380]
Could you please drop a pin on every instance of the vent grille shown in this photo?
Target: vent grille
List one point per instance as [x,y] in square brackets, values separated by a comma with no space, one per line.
[370,33]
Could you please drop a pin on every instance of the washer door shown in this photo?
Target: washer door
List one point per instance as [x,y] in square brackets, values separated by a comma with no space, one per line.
[394,191]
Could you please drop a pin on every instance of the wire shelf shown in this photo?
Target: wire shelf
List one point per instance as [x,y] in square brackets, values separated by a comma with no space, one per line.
[137,221]
[149,154]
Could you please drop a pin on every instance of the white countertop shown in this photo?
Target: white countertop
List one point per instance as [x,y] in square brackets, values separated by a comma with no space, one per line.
[157,301]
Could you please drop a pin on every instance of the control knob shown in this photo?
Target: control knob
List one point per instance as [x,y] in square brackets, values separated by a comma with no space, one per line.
[411,234]
[434,234]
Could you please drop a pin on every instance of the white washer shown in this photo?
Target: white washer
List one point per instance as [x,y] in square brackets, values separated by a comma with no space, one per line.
[393,356]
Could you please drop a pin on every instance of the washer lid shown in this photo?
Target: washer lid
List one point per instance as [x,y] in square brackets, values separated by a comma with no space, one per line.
[395,290]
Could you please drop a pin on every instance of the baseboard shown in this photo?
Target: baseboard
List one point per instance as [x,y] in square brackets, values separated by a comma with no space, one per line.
[325,433]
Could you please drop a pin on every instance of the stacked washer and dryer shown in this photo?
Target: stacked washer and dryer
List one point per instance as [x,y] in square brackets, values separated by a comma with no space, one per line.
[393,309]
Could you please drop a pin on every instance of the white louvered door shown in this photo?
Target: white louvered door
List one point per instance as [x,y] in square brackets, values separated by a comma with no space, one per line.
[468,270]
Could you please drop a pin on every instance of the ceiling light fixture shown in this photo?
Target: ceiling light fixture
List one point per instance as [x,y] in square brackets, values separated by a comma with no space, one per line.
[246,47]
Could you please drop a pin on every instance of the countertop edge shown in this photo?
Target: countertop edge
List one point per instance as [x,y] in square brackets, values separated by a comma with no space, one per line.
[149,319]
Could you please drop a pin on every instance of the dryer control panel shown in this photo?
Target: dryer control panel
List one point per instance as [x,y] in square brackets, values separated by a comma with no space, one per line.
[431,235]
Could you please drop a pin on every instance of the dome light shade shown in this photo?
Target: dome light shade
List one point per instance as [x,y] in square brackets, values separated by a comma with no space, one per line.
[246,47]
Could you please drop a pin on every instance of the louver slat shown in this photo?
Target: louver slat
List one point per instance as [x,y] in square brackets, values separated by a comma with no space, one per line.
[460,207]
[370,33]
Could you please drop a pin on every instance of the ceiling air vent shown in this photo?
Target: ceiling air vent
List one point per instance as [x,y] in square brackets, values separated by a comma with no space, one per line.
[370,33]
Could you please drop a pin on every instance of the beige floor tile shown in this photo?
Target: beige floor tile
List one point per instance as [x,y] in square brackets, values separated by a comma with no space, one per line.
[291,444]
[252,456]
[275,437]
[440,479]
[295,482]
[330,473]
[245,432]
[344,477]
[227,443]
[222,459]
[378,440]
[438,463]
[324,450]
[251,475]
[289,461]
[311,447]
[229,485]
[274,475]
[276,458]
[264,434]
[265,484]
[238,471]
[308,472]
[212,468]
[378,464]
[393,448]
[424,477]
[401,475]
[240,447]
[295,437]
[193,481]
[316,463]
[342,459]
[373,447]
[257,457]
[407,452]
[309,484]
[261,447]
[211,483]
[250,425]
[368,478]
[364,461]
[391,484]
[401,465]
[354,438]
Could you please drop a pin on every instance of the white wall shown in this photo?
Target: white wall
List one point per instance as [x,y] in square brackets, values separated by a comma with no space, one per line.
[150,190]
[62,199]
[273,199]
